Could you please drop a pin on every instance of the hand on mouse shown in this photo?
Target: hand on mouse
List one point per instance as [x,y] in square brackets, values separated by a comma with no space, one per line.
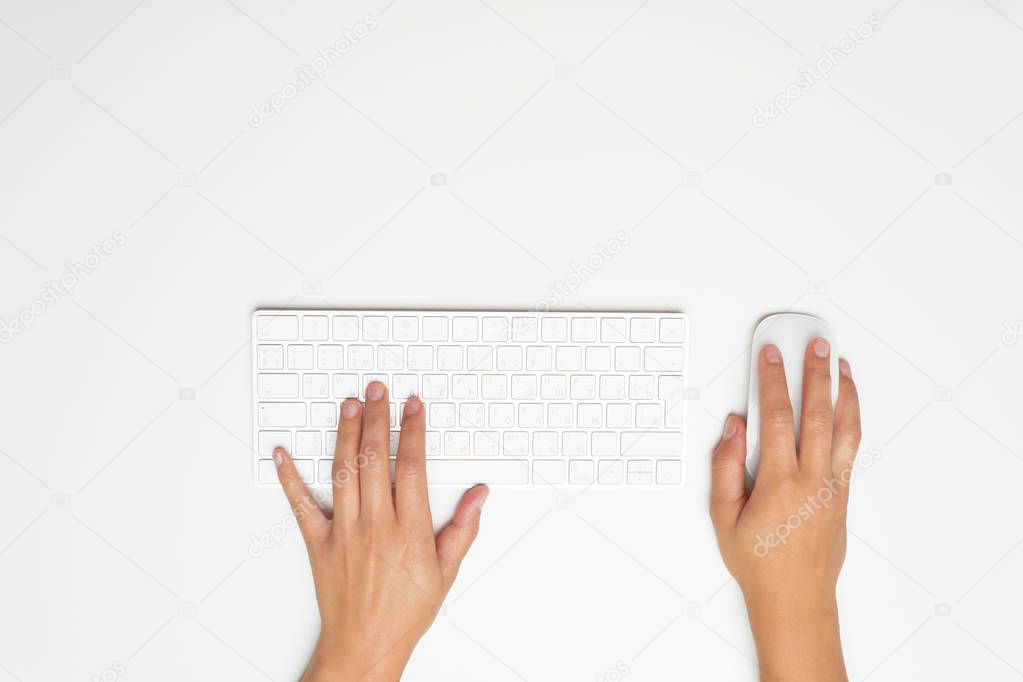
[380,572]
[785,541]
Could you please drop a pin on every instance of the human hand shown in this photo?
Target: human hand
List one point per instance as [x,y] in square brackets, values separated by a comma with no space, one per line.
[785,541]
[380,572]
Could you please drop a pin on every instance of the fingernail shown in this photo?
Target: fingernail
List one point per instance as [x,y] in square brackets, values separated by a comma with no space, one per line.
[821,348]
[844,368]
[772,354]
[730,427]
[350,408]
[483,499]
[279,456]
[412,406]
[375,391]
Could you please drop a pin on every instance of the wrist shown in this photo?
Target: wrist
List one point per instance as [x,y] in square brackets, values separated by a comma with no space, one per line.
[331,663]
[797,639]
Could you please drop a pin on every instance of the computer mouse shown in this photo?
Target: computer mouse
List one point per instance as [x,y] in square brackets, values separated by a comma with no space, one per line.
[791,333]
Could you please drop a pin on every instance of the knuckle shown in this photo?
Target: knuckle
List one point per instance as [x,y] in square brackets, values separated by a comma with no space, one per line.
[407,469]
[818,417]
[777,415]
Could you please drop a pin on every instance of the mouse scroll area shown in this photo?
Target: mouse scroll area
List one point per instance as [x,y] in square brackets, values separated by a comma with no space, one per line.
[791,333]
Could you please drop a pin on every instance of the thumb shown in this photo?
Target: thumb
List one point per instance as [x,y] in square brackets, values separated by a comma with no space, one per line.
[454,540]
[728,474]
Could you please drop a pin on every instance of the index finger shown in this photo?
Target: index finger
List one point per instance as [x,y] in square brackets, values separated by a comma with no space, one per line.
[777,428]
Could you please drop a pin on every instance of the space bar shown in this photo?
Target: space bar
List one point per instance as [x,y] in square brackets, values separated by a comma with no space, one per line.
[469,471]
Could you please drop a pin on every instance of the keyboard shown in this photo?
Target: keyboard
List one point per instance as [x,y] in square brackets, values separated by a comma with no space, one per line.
[521,399]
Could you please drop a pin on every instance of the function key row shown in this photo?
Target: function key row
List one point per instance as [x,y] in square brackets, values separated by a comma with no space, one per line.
[465,328]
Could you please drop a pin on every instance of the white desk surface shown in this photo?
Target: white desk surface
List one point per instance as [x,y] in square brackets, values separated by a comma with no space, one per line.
[125,505]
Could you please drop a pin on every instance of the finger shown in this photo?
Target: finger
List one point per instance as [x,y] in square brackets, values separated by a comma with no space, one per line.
[728,475]
[345,470]
[375,474]
[777,430]
[846,438]
[816,420]
[312,522]
[411,499]
[457,537]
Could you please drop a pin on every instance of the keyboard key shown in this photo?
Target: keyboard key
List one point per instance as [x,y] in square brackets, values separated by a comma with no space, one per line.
[487,444]
[479,358]
[670,389]
[323,414]
[277,327]
[501,415]
[643,330]
[306,470]
[495,329]
[464,386]
[580,471]
[281,414]
[330,357]
[673,415]
[639,472]
[404,386]
[468,472]
[277,385]
[612,330]
[390,357]
[641,387]
[611,471]
[583,387]
[539,358]
[464,329]
[300,357]
[345,328]
[472,415]
[568,358]
[456,443]
[346,386]
[651,444]
[530,415]
[393,440]
[307,444]
[315,328]
[545,444]
[548,471]
[523,387]
[435,387]
[405,328]
[524,329]
[315,386]
[604,444]
[360,357]
[516,443]
[494,386]
[442,415]
[663,359]
[560,415]
[612,387]
[584,329]
[420,358]
[589,415]
[669,471]
[619,415]
[268,440]
[575,443]
[673,330]
[450,358]
[433,446]
[509,358]
[267,471]
[375,328]
[553,387]
[553,329]
[435,328]
[270,357]
[627,359]
[649,416]
[324,470]
[598,359]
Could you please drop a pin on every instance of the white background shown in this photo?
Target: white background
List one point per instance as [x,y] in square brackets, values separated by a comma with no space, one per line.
[125,505]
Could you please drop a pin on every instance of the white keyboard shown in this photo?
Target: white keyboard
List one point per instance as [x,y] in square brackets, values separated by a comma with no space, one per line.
[512,398]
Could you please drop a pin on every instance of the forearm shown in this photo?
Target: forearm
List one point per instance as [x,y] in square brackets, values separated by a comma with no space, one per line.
[798,644]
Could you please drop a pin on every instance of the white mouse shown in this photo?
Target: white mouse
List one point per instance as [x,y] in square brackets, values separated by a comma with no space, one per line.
[791,333]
